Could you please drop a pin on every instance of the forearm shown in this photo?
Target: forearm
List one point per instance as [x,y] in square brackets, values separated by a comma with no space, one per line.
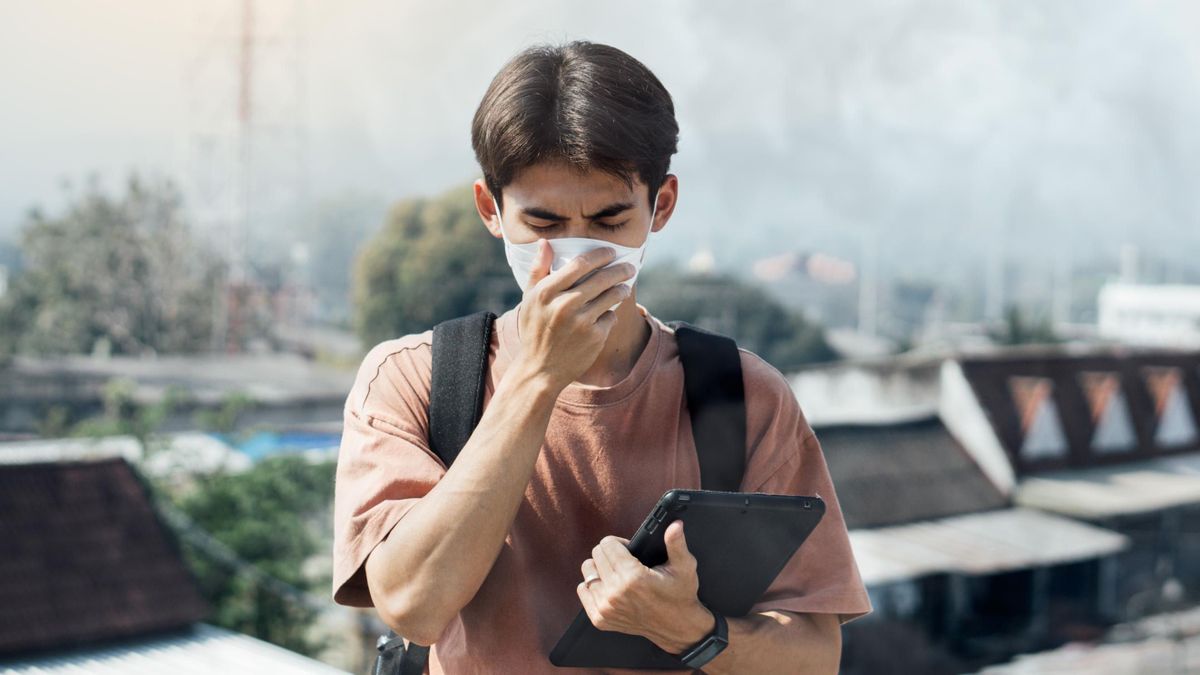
[435,559]
[777,642]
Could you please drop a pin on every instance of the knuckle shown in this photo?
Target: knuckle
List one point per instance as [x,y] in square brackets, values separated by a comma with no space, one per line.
[605,608]
[623,588]
[558,309]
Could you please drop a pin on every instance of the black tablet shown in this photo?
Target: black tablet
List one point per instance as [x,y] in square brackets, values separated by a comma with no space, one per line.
[741,541]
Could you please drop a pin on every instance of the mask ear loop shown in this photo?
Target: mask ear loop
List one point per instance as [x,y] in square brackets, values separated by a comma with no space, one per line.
[499,218]
[653,212]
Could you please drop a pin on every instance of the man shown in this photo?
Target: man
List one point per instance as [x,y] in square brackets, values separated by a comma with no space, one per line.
[585,423]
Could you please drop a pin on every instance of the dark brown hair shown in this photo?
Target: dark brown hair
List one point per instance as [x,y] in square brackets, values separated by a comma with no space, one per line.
[589,105]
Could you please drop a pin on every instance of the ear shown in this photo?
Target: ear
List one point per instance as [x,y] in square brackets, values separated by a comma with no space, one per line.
[668,196]
[487,208]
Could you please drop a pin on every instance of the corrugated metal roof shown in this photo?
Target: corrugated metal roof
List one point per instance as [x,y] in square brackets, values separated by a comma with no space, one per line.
[201,650]
[70,450]
[977,543]
[902,473]
[188,452]
[1108,491]
[1161,643]
[1155,655]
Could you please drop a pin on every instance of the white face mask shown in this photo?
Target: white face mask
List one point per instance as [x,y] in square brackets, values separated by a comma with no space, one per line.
[521,257]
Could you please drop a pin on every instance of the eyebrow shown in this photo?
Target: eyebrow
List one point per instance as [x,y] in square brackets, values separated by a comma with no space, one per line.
[610,210]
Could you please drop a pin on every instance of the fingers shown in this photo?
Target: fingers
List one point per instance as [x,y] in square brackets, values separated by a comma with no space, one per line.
[605,322]
[589,602]
[614,560]
[677,550]
[605,301]
[588,569]
[585,590]
[580,266]
[602,279]
[600,290]
[603,564]
[541,266]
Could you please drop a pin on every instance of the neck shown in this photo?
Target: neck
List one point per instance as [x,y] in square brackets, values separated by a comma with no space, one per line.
[624,345]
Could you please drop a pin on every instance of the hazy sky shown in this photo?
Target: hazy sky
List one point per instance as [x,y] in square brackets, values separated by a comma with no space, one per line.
[939,128]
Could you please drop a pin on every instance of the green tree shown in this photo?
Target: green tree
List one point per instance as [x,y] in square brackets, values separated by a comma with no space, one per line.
[1019,329]
[123,415]
[117,274]
[735,308]
[224,418]
[270,518]
[432,261]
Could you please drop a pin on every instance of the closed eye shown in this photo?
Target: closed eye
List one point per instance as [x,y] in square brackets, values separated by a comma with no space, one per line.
[610,227]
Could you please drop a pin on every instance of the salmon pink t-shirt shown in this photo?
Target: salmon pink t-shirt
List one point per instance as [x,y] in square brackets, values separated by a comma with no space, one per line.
[609,454]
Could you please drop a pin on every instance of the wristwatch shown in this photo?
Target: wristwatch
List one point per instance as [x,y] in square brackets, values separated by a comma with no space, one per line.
[708,647]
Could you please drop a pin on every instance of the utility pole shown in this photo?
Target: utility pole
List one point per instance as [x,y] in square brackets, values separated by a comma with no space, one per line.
[247,143]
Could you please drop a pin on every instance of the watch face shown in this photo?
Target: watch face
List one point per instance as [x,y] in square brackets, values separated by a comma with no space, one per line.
[706,651]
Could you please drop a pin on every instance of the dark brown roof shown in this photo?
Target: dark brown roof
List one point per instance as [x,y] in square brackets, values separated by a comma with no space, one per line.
[1077,390]
[905,472]
[84,558]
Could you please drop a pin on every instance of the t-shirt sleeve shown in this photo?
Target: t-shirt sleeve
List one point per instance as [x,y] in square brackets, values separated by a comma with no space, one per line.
[785,457]
[384,462]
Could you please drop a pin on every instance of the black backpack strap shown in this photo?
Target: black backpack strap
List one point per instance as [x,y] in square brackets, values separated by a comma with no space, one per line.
[395,658]
[460,351]
[716,401]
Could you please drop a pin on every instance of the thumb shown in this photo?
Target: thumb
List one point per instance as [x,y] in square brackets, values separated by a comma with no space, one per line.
[676,542]
[541,266]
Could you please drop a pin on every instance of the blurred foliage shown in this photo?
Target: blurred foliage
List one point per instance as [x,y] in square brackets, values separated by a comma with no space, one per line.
[745,312]
[113,275]
[1020,329]
[432,260]
[268,517]
[224,419]
[123,415]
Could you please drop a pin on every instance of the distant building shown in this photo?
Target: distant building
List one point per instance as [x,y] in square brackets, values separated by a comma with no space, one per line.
[1150,315]
[94,582]
[283,389]
[1011,501]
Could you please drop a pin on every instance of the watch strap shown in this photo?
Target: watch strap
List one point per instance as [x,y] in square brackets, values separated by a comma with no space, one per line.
[712,644]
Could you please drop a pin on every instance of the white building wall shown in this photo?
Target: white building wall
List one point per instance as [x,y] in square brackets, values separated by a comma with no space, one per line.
[1150,316]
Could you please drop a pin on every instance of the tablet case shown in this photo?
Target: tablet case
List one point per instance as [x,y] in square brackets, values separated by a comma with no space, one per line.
[741,541]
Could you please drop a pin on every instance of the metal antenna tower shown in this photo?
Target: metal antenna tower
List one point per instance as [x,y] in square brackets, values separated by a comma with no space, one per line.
[247,149]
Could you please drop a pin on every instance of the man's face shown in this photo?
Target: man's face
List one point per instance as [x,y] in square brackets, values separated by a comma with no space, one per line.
[552,200]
